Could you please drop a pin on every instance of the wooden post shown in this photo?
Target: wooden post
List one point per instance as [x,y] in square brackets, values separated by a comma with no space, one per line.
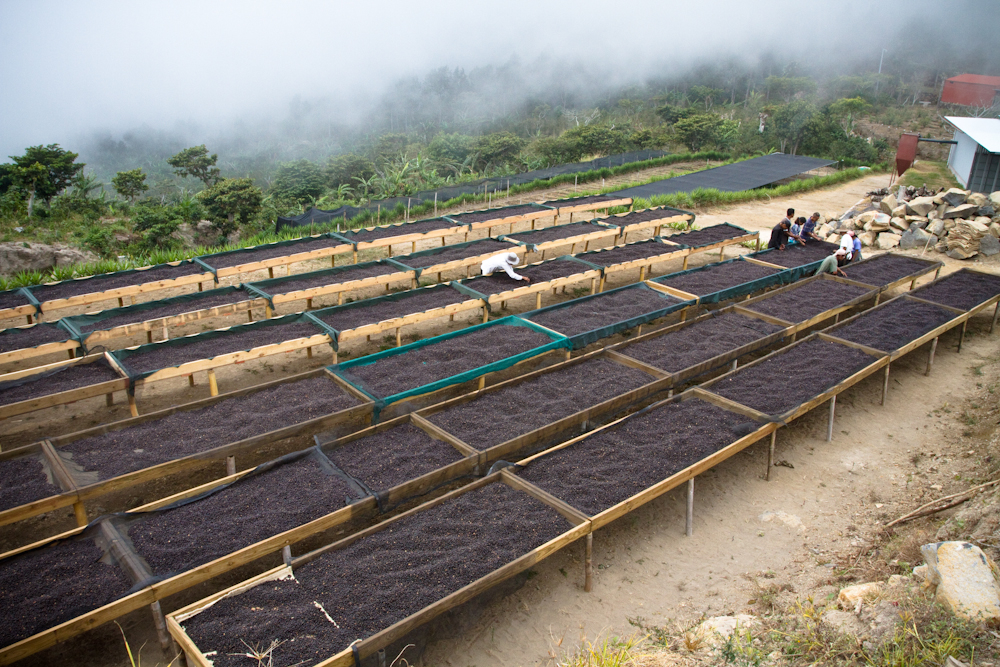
[593,286]
[689,519]
[286,555]
[340,298]
[569,354]
[482,382]
[335,356]
[684,266]
[722,251]
[230,465]
[29,319]
[538,297]
[201,287]
[913,283]
[161,627]
[309,304]
[249,315]
[435,204]
[355,256]
[309,352]
[829,426]
[270,272]
[642,273]
[191,380]
[399,337]
[996,312]
[930,356]
[885,384]
[213,385]
[486,315]
[131,406]
[333,261]
[733,366]
[149,336]
[121,302]
[80,511]
[601,288]
[288,269]
[413,246]
[961,335]
[588,564]
[268,312]
[109,399]
[770,455]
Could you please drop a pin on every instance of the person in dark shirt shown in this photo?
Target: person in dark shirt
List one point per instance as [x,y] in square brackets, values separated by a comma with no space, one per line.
[779,235]
[809,228]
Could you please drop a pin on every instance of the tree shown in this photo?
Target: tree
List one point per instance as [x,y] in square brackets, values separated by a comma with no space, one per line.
[671,114]
[31,179]
[301,180]
[344,169]
[698,131]
[156,223]
[498,148]
[229,198]
[789,122]
[706,95]
[787,87]
[60,169]
[196,161]
[130,184]
[847,110]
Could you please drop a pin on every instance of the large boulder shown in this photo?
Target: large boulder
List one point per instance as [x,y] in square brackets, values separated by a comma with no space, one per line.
[888,240]
[867,238]
[899,223]
[717,630]
[920,206]
[936,227]
[965,580]
[899,211]
[954,197]
[17,257]
[995,199]
[995,229]
[977,199]
[989,245]
[888,204]
[961,211]
[918,238]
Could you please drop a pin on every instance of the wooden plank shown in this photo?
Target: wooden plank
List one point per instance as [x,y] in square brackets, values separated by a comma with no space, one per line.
[469,261]
[293,258]
[129,290]
[347,286]
[571,240]
[592,206]
[440,434]
[666,289]
[62,398]
[26,353]
[532,288]
[412,237]
[669,218]
[408,320]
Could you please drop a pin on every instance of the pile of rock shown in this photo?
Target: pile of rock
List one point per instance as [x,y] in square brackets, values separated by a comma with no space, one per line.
[960,223]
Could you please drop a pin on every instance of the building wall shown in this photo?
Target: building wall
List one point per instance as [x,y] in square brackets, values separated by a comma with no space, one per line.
[968,94]
[961,157]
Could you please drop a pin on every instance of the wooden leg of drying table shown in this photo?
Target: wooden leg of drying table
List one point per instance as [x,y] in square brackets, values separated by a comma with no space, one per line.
[29,319]
[230,465]
[309,304]
[132,406]
[733,366]
[249,315]
[588,564]
[913,283]
[335,356]
[538,300]
[593,285]
[601,288]
[961,335]
[486,315]
[642,273]
[829,426]
[930,356]
[161,627]
[399,337]
[770,455]
[213,385]
[685,264]
[268,313]
[80,512]
[191,380]
[355,256]
[689,518]
[309,352]
[109,399]
[996,312]
[482,382]
[270,272]
[286,555]
[885,384]
[121,302]
[149,336]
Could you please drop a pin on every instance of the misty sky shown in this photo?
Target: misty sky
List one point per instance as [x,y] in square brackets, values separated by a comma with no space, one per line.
[70,68]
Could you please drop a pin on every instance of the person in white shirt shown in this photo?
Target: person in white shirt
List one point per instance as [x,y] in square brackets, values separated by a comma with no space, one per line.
[847,243]
[503,262]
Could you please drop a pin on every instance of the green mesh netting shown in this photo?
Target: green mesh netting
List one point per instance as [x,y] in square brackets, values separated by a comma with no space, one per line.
[778,277]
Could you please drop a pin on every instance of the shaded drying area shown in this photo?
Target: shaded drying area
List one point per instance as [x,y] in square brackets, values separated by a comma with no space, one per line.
[421,227]
[393,456]
[167,310]
[964,290]
[244,337]
[495,214]
[628,253]
[717,277]
[602,310]
[249,510]
[805,301]
[884,269]
[436,361]
[192,431]
[455,253]
[111,281]
[378,580]
[64,379]
[547,234]
[19,338]
[367,312]
[24,480]
[699,342]
[644,215]
[518,409]
[707,236]
[44,587]
[321,279]
[579,201]
[792,377]
[797,255]
[893,325]
[611,466]
[539,273]
[225,261]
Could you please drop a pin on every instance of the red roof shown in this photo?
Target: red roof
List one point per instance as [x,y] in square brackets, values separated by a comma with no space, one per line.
[977,78]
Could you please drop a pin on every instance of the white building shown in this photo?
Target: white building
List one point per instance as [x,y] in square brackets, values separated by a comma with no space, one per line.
[975,157]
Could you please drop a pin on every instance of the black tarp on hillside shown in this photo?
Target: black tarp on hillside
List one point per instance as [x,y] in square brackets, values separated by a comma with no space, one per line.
[746,175]
[482,186]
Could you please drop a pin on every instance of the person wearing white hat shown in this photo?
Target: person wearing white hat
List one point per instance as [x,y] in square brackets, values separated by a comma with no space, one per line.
[503,262]
[832,264]
[847,244]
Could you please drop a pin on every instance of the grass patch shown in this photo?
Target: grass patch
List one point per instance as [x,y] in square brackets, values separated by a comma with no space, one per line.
[930,173]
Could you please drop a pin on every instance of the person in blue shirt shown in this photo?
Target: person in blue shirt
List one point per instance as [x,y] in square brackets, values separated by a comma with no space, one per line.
[809,228]
[795,231]
[857,250]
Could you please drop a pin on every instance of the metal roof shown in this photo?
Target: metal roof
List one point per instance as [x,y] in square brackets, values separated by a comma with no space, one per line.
[745,175]
[984,131]
[977,79]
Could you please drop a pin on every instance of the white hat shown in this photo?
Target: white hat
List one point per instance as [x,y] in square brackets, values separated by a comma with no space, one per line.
[512,258]
[840,251]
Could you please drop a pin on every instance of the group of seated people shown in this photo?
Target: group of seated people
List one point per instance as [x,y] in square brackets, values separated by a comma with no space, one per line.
[803,230]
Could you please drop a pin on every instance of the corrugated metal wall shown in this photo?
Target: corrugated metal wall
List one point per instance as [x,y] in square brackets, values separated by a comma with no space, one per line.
[985,174]
[961,157]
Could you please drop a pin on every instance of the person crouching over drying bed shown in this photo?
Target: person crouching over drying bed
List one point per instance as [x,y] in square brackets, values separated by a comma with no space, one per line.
[832,264]
[503,262]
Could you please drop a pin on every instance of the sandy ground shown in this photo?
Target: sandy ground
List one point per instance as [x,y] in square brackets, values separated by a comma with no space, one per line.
[797,526]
